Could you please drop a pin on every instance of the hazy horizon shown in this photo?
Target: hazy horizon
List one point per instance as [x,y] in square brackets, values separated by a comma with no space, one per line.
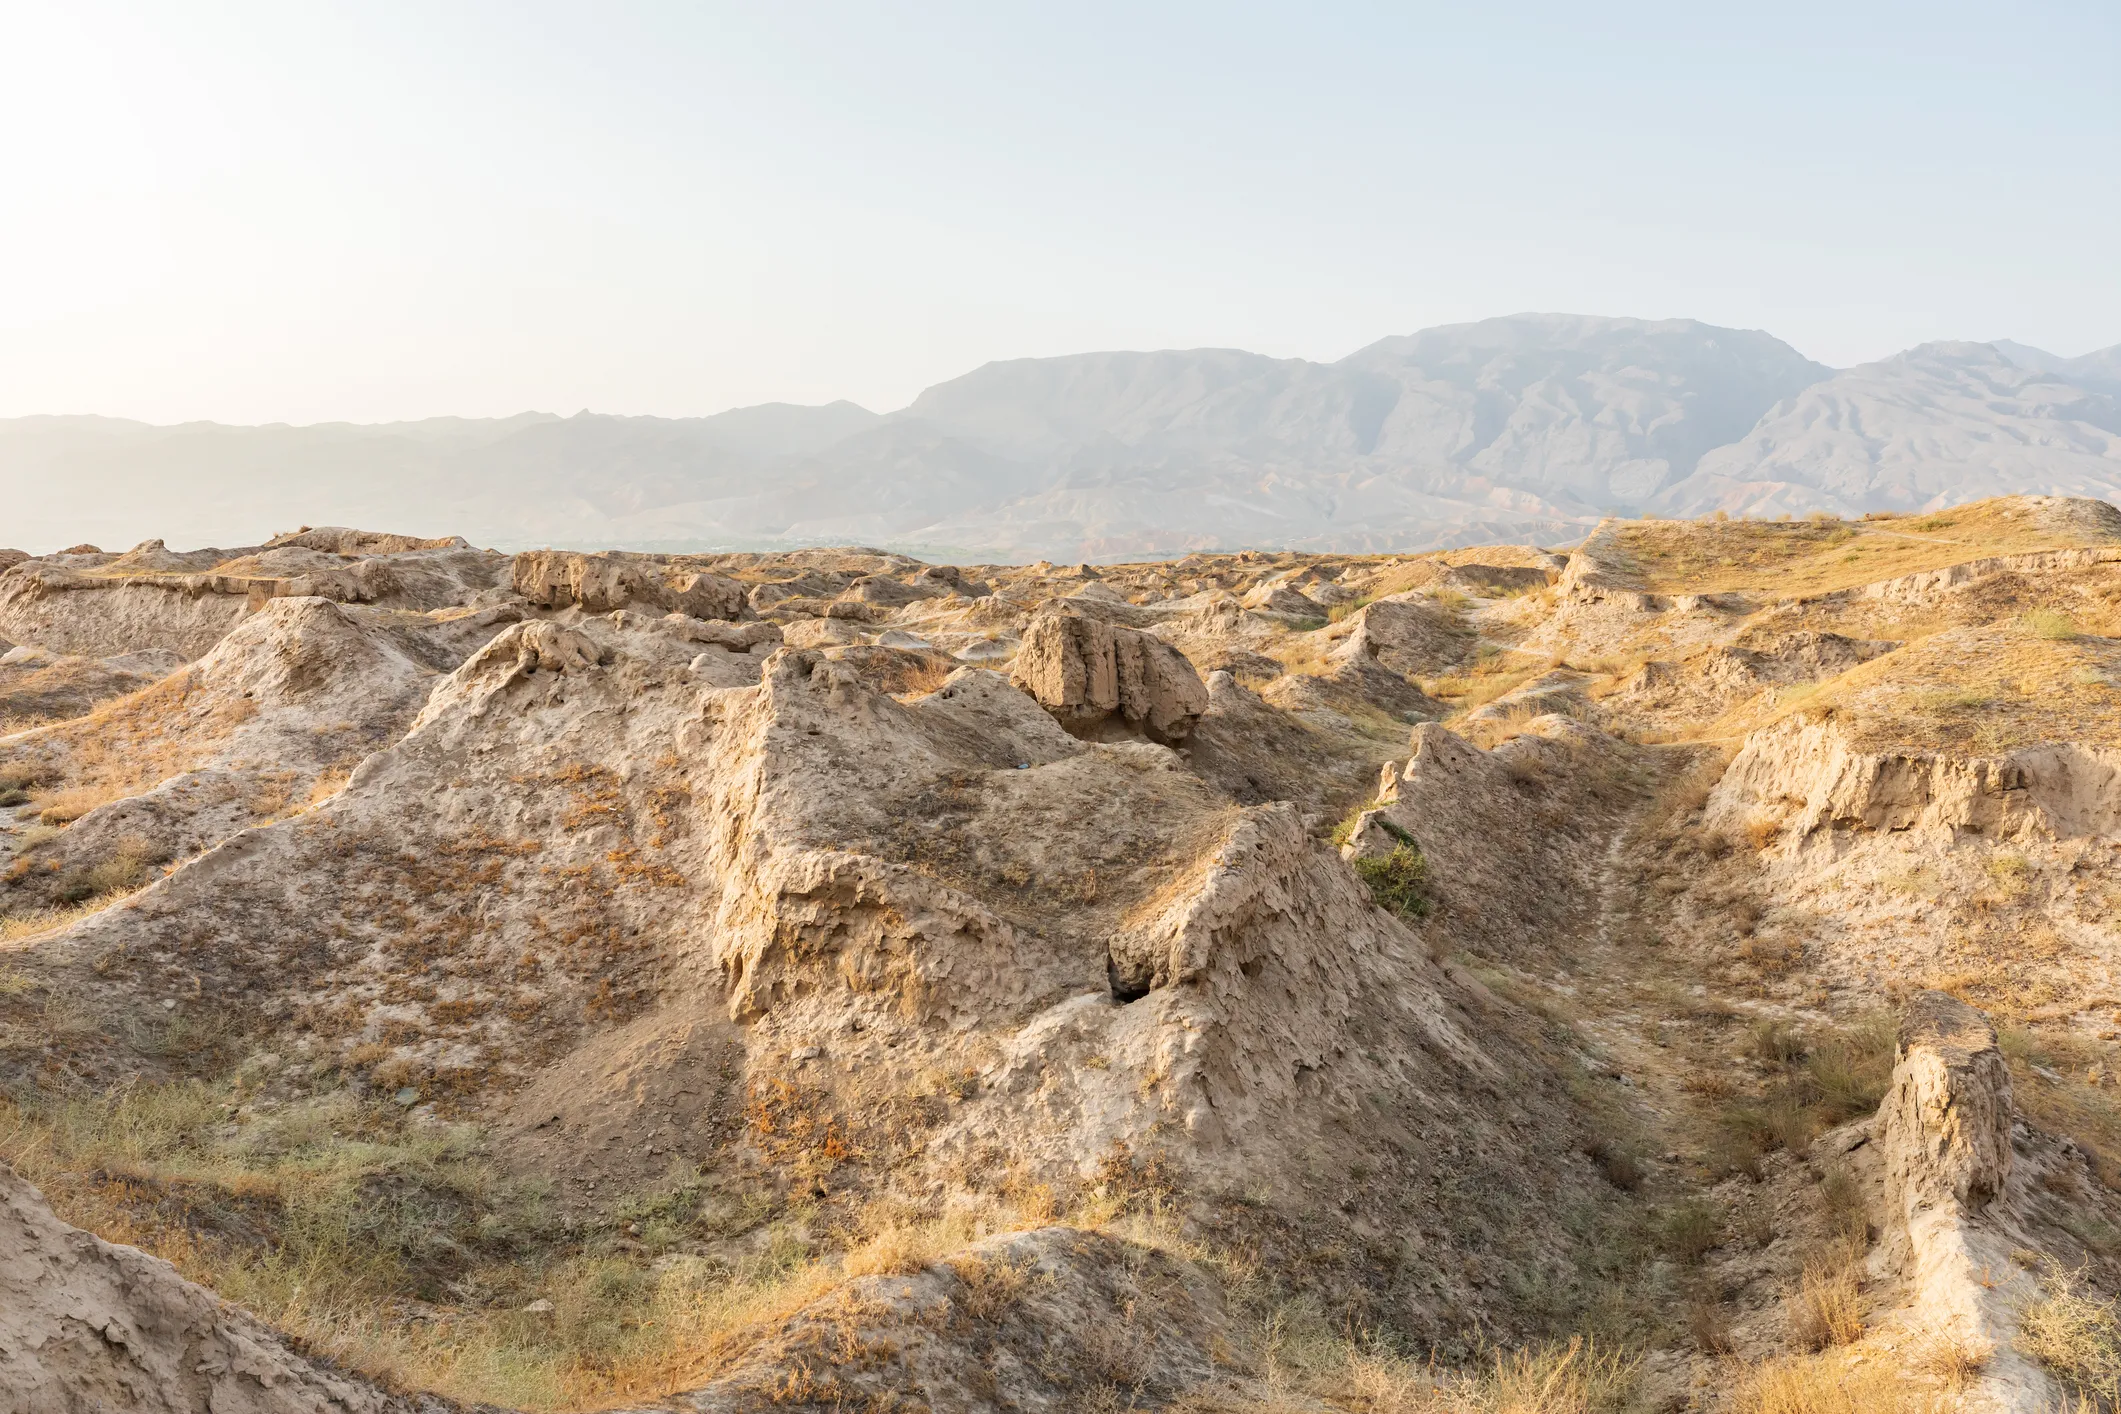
[556,413]
[248,214]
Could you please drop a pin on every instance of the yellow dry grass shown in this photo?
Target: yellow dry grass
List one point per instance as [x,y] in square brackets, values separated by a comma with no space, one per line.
[1829,1385]
[1790,558]
[1971,691]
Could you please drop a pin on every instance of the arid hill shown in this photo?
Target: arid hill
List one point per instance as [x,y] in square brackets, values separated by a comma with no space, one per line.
[1676,972]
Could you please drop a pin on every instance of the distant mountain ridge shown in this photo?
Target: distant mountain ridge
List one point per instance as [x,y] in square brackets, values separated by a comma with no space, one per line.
[1528,427]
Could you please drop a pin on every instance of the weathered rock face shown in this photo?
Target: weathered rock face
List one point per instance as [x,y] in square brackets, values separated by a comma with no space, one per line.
[1811,777]
[158,599]
[1945,1135]
[343,540]
[87,1326]
[1405,636]
[1946,1123]
[559,579]
[1086,672]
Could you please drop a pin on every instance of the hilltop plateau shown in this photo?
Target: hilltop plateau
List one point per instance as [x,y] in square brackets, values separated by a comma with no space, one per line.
[1673,970]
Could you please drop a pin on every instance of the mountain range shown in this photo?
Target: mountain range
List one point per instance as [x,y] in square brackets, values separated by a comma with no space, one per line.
[1526,428]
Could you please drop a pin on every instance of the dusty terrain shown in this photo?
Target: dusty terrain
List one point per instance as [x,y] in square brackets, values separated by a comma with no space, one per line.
[1673,972]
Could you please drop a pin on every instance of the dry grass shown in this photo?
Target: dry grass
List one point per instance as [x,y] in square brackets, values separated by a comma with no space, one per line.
[2085,1111]
[1305,1363]
[1826,1310]
[1820,1078]
[1828,1386]
[1976,691]
[2078,1338]
[22,927]
[330,1217]
[66,805]
[1954,1359]
[1786,558]
[395,1248]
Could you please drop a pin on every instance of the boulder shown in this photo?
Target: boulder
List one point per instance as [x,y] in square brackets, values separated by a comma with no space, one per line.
[1087,672]
[821,633]
[1412,637]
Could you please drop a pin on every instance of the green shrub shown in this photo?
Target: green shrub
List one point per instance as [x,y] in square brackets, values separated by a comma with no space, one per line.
[1398,881]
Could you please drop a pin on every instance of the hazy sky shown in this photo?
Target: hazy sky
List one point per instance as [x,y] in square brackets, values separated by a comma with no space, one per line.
[302,212]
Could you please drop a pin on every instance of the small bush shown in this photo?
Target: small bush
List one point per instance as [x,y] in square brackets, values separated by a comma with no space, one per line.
[1827,1309]
[2049,624]
[1953,1358]
[1398,881]
[1620,1168]
[1777,1043]
[1844,1203]
[2077,1337]
[1692,1228]
[1559,1380]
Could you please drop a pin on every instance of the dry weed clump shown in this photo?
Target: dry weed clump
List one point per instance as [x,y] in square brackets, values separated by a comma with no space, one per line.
[1953,1358]
[1826,1310]
[2077,1337]
[1820,1080]
[1305,1362]
[66,805]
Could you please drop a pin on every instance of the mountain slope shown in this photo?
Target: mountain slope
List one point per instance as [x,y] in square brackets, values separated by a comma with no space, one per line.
[1937,424]
[1529,427]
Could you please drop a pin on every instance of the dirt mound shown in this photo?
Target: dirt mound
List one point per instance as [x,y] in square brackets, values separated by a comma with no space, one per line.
[85,1325]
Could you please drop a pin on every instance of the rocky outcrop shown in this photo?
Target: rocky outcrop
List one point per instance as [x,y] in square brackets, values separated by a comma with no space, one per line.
[1808,775]
[343,540]
[74,613]
[1927,585]
[152,598]
[87,1326]
[1946,1122]
[516,652]
[1087,672]
[1408,637]
[599,583]
[1945,1132]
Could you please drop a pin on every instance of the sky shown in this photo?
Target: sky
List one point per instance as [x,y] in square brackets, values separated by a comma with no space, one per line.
[367,212]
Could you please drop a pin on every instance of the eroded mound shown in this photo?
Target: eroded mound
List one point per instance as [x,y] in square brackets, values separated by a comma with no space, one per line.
[824,978]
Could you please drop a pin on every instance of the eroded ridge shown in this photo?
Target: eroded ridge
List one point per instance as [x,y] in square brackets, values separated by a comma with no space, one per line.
[818,979]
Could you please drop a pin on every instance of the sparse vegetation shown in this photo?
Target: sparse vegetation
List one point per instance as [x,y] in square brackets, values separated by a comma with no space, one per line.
[1819,1081]
[2078,1338]
[2049,624]
[1565,1138]
[1827,1308]
[1399,881]
[1828,1385]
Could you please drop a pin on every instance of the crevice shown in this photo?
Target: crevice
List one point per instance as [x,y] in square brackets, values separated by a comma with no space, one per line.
[1125,988]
